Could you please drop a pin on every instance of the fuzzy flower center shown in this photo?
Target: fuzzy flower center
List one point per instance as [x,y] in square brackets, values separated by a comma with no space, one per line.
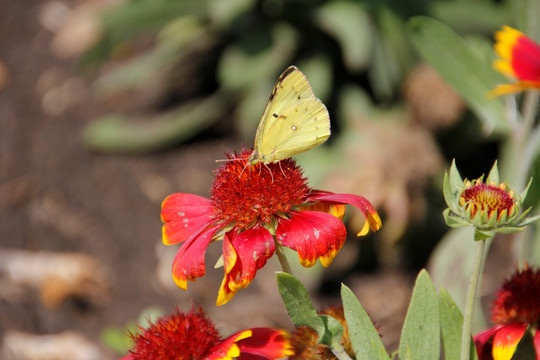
[244,194]
[517,300]
[487,198]
[178,336]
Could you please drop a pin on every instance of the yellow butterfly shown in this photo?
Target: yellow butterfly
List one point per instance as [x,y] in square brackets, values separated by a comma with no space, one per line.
[294,120]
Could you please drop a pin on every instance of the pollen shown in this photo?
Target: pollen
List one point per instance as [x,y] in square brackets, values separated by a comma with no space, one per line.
[487,198]
[244,195]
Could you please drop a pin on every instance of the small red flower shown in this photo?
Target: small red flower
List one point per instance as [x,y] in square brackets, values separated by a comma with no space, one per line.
[516,309]
[520,59]
[192,336]
[251,208]
[490,199]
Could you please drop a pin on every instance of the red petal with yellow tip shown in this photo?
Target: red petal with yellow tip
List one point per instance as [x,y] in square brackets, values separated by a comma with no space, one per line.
[189,262]
[265,343]
[184,215]
[313,235]
[483,346]
[243,255]
[506,339]
[228,349]
[373,221]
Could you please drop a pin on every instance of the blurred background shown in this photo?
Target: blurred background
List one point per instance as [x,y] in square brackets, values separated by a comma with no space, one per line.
[108,106]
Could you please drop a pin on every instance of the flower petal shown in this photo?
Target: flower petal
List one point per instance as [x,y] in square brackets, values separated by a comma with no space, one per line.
[188,263]
[243,255]
[506,340]
[265,343]
[228,348]
[520,58]
[373,221]
[483,345]
[184,214]
[338,210]
[313,235]
[526,59]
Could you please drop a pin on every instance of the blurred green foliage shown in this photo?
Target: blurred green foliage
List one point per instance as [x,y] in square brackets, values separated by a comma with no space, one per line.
[185,66]
[173,52]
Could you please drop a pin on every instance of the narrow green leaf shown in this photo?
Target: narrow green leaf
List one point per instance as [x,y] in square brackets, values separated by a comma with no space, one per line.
[420,334]
[365,339]
[456,181]
[451,327]
[298,304]
[462,67]
[116,133]
[493,174]
[527,13]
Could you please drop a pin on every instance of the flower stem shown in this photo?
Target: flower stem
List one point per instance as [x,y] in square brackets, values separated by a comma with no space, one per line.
[339,352]
[283,259]
[471,297]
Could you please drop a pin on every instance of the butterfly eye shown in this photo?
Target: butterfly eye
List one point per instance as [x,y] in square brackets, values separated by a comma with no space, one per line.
[275,115]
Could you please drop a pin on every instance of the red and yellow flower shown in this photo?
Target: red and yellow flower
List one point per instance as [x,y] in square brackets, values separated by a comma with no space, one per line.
[252,208]
[193,336]
[520,59]
[516,310]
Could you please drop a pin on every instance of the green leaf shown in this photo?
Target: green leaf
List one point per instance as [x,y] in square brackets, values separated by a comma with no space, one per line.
[365,339]
[334,331]
[456,182]
[451,327]
[453,220]
[350,25]
[482,235]
[262,56]
[393,54]
[420,334]
[463,15]
[493,174]
[115,133]
[298,304]
[151,70]
[462,67]
[527,13]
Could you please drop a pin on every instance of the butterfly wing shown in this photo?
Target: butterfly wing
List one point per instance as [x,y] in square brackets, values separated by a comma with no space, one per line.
[302,126]
[294,119]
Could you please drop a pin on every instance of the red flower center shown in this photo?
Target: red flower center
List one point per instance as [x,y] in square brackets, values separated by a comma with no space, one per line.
[178,336]
[245,194]
[517,300]
[487,198]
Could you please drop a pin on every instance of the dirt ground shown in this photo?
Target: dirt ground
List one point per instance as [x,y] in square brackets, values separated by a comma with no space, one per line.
[57,196]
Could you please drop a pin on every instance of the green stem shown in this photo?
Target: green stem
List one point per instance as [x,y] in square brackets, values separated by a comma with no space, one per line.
[283,259]
[528,140]
[471,297]
[339,352]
